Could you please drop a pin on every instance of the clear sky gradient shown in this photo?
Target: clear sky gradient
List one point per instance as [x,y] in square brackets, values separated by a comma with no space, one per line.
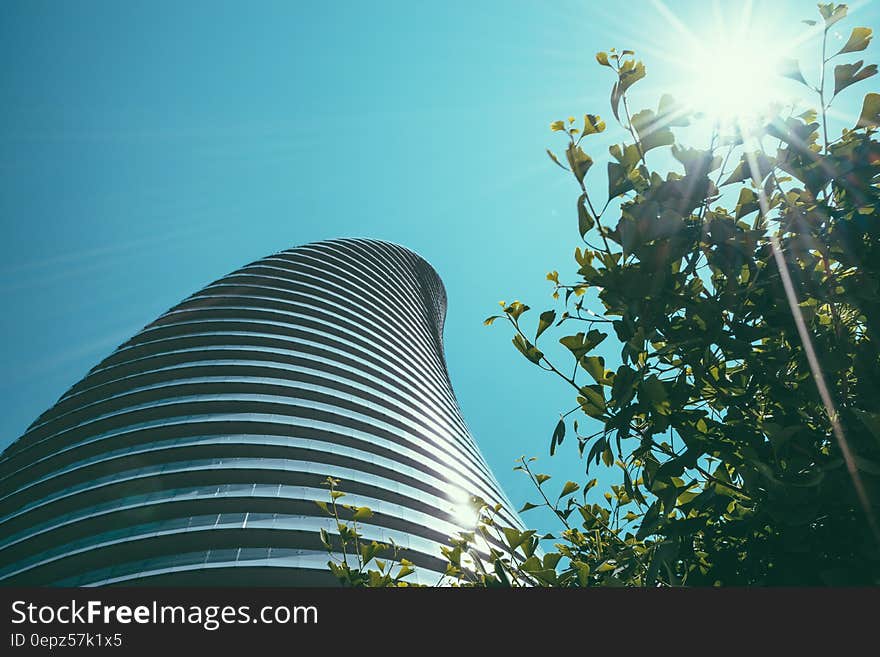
[149,148]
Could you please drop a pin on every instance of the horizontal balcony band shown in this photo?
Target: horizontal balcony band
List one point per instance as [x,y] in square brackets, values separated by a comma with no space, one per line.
[210,408]
[291,369]
[297,384]
[320,451]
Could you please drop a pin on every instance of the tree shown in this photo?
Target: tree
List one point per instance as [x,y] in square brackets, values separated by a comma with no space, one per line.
[743,417]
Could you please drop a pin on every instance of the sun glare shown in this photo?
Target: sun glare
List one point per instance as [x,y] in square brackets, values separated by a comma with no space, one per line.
[734,79]
[463,510]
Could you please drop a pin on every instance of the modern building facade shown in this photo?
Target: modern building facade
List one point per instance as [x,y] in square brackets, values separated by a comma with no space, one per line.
[195,452]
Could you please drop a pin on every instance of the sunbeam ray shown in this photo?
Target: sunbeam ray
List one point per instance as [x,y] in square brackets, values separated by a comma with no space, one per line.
[812,359]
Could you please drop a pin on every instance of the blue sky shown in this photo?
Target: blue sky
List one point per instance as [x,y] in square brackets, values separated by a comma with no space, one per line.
[149,148]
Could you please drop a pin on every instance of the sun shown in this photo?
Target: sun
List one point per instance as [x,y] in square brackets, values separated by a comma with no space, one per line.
[734,79]
[731,63]
[463,511]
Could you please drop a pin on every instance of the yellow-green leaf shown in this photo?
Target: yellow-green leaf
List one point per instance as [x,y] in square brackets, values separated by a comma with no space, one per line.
[527,349]
[870,116]
[595,365]
[516,309]
[362,513]
[858,40]
[544,321]
[578,160]
[557,125]
[593,124]
[629,73]
[514,537]
[556,159]
[585,219]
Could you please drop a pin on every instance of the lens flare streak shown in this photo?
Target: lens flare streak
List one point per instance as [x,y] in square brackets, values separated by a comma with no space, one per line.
[812,359]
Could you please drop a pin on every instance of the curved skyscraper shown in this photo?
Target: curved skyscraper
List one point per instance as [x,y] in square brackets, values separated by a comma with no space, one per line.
[195,452]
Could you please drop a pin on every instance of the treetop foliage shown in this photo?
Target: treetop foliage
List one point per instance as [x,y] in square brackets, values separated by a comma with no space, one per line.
[743,415]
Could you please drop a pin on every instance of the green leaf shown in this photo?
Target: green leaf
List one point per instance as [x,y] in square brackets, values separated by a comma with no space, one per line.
[618,180]
[489,320]
[602,58]
[527,349]
[582,343]
[514,537]
[557,125]
[652,391]
[569,488]
[558,436]
[627,154]
[501,574]
[747,203]
[650,521]
[579,161]
[585,219]
[527,506]
[848,74]
[595,365]
[550,560]
[623,388]
[541,478]
[544,321]
[652,133]
[323,506]
[870,116]
[858,40]
[592,400]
